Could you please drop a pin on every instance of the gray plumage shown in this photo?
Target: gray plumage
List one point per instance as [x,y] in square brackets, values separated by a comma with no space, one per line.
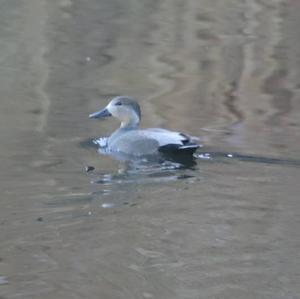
[131,140]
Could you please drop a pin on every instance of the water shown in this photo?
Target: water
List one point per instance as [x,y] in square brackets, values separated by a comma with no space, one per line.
[224,227]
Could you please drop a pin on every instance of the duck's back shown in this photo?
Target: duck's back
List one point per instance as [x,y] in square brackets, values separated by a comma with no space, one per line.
[150,141]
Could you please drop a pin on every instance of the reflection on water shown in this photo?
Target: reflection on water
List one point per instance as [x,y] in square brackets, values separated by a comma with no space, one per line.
[225,225]
[144,172]
[114,188]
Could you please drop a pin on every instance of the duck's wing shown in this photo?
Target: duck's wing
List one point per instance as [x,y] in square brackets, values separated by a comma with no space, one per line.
[165,137]
[171,141]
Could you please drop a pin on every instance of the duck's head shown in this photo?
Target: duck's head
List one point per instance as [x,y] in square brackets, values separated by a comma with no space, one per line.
[124,108]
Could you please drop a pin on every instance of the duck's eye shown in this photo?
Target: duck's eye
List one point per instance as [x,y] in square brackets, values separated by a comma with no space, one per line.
[118,104]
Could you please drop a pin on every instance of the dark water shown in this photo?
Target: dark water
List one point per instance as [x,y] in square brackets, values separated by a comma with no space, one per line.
[226,227]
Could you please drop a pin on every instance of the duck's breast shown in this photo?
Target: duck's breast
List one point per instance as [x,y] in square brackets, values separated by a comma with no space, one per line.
[134,143]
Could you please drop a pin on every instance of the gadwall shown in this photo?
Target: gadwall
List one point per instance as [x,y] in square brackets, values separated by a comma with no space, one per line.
[130,140]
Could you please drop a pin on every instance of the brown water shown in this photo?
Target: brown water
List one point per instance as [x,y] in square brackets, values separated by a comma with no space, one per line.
[226,71]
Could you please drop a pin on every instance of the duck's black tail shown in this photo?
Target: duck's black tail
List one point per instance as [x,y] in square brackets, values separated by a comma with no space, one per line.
[187,149]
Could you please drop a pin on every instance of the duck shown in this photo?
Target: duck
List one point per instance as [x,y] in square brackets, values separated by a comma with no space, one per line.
[130,140]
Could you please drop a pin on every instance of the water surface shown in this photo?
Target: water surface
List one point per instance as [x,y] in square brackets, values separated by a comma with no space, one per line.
[226,227]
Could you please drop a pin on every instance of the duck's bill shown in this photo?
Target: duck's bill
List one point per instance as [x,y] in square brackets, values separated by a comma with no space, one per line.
[100,114]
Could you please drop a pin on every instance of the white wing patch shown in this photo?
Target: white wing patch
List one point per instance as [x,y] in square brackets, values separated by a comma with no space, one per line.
[165,137]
